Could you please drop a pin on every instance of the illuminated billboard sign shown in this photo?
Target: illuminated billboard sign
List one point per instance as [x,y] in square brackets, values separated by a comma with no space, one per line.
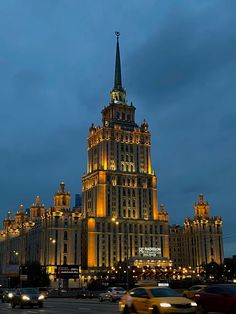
[150,251]
[67,271]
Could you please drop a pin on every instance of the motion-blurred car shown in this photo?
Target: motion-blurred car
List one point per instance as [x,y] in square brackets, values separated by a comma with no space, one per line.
[27,296]
[155,300]
[44,292]
[217,298]
[190,293]
[8,295]
[112,294]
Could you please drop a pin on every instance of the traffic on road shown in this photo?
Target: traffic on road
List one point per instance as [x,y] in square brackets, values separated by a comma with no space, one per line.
[115,300]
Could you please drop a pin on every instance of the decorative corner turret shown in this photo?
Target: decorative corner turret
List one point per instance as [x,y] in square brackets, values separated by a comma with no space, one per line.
[37,210]
[144,126]
[163,214]
[201,208]
[62,198]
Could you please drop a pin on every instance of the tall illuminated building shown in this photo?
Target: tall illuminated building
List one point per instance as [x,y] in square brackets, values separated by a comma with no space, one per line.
[200,240]
[119,190]
[203,236]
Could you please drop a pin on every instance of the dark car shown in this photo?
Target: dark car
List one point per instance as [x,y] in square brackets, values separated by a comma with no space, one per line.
[8,295]
[83,294]
[1,292]
[27,296]
[44,292]
[217,298]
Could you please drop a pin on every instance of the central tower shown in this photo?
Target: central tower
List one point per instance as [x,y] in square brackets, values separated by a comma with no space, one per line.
[119,189]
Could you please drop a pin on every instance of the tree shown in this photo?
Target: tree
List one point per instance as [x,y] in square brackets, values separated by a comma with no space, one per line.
[36,275]
[213,271]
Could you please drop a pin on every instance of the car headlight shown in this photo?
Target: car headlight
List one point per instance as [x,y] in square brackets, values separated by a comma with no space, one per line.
[193,304]
[10,295]
[165,304]
[41,297]
[25,298]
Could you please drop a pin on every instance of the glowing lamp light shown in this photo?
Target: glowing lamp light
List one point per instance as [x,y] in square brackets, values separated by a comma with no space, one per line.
[163,304]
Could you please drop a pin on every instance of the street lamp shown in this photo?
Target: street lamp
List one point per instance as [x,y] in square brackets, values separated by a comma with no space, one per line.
[54,241]
[126,232]
[15,256]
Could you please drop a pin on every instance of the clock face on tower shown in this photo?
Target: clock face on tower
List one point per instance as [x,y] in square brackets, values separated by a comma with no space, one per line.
[106,123]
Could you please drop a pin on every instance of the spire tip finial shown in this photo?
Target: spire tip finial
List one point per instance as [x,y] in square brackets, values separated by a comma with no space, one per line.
[117,35]
[118,93]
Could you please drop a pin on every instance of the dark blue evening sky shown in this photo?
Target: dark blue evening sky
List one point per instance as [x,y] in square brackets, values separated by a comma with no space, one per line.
[178,67]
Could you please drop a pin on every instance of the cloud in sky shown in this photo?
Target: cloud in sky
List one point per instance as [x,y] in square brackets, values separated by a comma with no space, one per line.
[179,65]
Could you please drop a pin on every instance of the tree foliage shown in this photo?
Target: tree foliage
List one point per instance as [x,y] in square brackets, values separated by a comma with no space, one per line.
[36,275]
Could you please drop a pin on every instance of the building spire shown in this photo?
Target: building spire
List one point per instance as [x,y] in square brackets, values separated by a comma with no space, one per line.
[118,80]
[118,93]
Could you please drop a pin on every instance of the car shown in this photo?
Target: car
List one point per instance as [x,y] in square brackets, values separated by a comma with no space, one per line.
[155,300]
[217,298]
[27,296]
[112,294]
[1,291]
[44,291]
[83,294]
[8,295]
[190,293]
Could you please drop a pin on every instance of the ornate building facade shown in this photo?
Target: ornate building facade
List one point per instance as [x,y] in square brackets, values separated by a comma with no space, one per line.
[119,220]
[50,236]
[119,190]
[199,241]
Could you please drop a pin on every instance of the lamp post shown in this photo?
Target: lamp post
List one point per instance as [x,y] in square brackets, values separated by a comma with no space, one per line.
[126,232]
[47,258]
[59,276]
[54,241]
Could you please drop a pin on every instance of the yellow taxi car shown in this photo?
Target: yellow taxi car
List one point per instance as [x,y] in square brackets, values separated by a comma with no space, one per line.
[155,300]
[190,293]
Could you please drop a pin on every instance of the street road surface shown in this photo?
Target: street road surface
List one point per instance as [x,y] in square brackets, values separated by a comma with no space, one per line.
[65,306]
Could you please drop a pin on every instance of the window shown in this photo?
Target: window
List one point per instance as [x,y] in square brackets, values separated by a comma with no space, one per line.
[139,293]
[65,235]
[56,220]
[65,248]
